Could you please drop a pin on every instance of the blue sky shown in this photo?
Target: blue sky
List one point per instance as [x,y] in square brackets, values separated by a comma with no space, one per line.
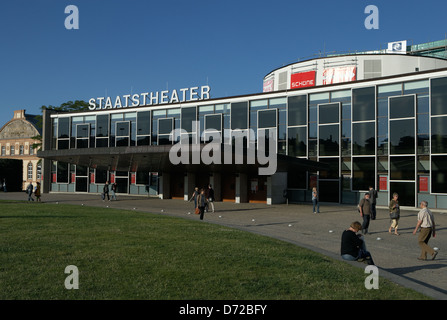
[147,46]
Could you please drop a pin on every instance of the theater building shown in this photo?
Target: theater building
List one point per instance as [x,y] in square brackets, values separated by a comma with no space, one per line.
[341,123]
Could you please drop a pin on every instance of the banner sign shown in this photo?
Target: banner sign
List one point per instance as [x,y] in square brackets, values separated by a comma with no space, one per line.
[339,74]
[150,98]
[302,80]
[268,86]
[397,47]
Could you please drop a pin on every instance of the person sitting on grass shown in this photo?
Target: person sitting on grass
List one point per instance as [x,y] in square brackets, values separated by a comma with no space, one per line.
[353,245]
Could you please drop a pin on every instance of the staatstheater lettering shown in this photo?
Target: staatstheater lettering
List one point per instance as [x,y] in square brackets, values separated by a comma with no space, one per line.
[150,98]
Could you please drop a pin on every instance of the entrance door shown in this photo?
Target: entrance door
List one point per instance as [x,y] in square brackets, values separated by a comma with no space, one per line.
[177,186]
[228,188]
[81,180]
[122,182]
[257,189]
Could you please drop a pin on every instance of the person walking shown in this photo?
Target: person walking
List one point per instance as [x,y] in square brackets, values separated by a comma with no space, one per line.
[29,191]
[394,213]
[113,191]
[105,192]
[426,224]
[315,202]
[365,212]
[37,192]
[201,203]
[194,196]
[372,199]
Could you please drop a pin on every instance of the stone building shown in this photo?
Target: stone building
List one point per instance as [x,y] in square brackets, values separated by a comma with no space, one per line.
[16,143]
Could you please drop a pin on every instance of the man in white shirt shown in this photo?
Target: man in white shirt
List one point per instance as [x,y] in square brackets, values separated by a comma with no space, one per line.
[426,223]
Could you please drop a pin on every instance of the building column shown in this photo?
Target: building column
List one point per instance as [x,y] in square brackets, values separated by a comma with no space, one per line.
[241,188]
[189,184]
[276,184]
[216,183]
[46,145]
[164,185]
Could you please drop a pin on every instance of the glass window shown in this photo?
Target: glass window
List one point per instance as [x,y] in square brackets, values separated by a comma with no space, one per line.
[329,113]
[406,192]
[297,141]
[439,134]
[423,104]
[30,171]
[239,115]
[402,168]
[144,123]
[165,126]
[343,95]
[389,90]
[363,104]
[122,129]
[267,118]
[439,96]
[402,136]
[102,125]
[333,171]
[82,131]
[363,138]
[63,128]
[188,117]
[416,86]
[62,172]
[439,174]
[214,122]
[297,110]
[329,140]
[402,107]
[363,173]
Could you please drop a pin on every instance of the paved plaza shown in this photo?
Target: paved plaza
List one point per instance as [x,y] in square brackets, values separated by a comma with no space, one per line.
[396,256]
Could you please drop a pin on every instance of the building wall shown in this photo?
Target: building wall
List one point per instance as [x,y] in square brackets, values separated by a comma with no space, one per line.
[16,143]
[365,66]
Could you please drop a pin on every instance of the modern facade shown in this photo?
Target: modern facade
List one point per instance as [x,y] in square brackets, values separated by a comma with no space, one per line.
[343,123]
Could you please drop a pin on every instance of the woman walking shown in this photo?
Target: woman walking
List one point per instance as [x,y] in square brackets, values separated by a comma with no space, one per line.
[394,214]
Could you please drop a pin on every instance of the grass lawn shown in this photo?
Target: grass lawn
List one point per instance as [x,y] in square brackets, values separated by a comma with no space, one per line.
[134,255]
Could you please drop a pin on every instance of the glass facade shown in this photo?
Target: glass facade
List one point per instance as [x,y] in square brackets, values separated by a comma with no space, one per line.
[391,136]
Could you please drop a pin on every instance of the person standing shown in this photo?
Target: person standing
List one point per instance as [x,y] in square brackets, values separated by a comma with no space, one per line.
[365,212]
[210,197]
[394,213]
[29,191]
[372,200]
[315,202]
[201,203]
[426,223]
[105,192]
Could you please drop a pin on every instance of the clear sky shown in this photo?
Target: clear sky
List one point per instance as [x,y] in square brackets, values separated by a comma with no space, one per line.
[136,46]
